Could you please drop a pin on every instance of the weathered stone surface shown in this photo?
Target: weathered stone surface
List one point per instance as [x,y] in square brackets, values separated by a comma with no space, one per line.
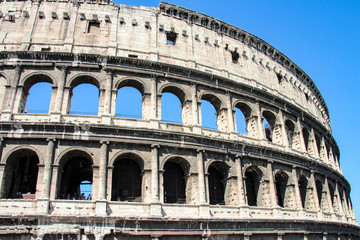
[153,179]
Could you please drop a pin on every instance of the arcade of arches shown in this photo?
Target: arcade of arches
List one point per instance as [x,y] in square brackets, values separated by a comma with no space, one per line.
[236,181]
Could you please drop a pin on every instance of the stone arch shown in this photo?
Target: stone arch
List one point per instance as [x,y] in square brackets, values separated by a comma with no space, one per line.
[76,166]
[175,89]
[67,153]
[253,176]
[30,148]
[131,82]
[333,197]
[31,80]
[218,172]
[127,178]
[290,130]
[282,190]
[270,118]
[135,155]
[83,78]
[214,100]
[20,174]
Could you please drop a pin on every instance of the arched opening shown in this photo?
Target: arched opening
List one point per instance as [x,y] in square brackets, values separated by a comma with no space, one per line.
[210,107]
[319,189]
[252,184]
[290,128]
[174,183]
[268,123]
[38,99]
[77,171]
[242,113]
[170,108]
[218,172]
[129,103]
[303,189]
[126,181]
[306,138]
[281,180]
[85,99]
[21,173]
[208,115]
[36,94]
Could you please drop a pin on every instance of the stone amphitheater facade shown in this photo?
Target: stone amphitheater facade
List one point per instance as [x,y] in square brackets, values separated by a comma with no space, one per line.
[153,179]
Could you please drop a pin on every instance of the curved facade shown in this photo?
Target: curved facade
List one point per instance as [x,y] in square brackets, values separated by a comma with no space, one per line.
[149,178]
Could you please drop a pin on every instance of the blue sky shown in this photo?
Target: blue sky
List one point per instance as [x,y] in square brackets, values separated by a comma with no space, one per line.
[322,37]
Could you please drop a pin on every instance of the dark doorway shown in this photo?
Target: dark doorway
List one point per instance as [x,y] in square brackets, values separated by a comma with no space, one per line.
[126,181]
[174,183]
[252,186]
[281,180]
[21,175]
[216,186]
[303,189]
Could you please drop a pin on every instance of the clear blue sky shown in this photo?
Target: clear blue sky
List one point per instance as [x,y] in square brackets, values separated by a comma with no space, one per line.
[322,37]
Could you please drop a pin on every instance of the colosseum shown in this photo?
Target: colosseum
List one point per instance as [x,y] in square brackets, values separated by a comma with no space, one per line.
[149,178]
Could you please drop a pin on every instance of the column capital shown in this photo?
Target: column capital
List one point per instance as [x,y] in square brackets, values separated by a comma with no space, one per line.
[51,139]
[18,67]
[200,150]
[61,67]
[109,71]
[155,146]
[104,142]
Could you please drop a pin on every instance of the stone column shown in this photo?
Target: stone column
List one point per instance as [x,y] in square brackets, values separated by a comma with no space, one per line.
[315,193]
[195,110]
[154,121]
[109,182]
[240,182]
[328,195]
[201,176]
[6,114]
[296,189]
[155,207]
[102,170]
[338,198]
[155,173]
[106,116]
[2,166]
[54,181]
[48,168]
[60,89]
[272,188]
[281,121]
[101,203]
[231,124]
[260,125]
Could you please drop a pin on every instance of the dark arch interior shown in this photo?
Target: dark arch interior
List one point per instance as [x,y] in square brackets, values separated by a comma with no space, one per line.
[332,193]
[252,186]
[21,174]
[126,181]
[290,128]
[306,138]
[269,123]
[319,188]
[75,171]
[281,180]
[216,186]
[303,189]
[174,183]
